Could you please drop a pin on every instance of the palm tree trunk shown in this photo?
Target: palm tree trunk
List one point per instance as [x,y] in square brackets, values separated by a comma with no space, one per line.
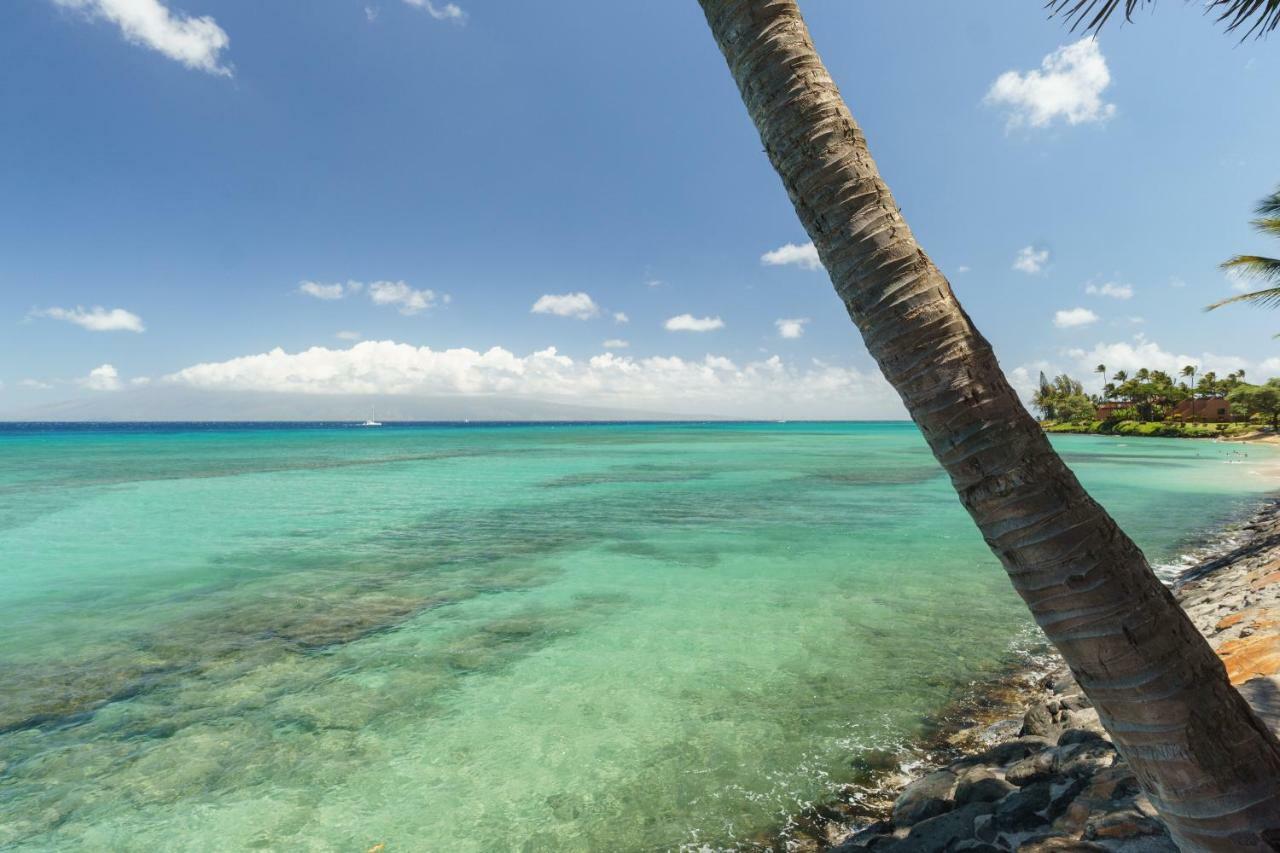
[1208,763]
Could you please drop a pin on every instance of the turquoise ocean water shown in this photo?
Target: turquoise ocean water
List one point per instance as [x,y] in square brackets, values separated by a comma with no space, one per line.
[466,638]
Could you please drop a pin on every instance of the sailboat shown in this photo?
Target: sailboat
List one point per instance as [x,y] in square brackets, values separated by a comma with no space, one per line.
[373,418]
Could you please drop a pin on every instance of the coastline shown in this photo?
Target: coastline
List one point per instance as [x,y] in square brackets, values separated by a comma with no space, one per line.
[1022,763]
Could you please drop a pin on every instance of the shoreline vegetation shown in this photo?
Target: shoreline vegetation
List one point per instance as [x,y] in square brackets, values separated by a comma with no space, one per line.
[1022,763]
[1158,429]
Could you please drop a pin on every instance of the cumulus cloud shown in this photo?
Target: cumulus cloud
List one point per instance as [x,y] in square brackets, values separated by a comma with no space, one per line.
[690,323]
[805,256]
[1131,356]
[793,328]
[102,378]
[405,298]
[441,12]
[1031,260]
[621,317]
[580,306]
[713,384]
[347,335]
[1113,289]
[95,319]
[1070,318]
[1067,86]
[615,343]
[323,291]
[195,42]
[399,294]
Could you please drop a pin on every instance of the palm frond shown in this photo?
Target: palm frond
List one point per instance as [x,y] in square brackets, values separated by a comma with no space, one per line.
[1268,298]
[1269,206]
[1263,16]
[1268,225]
[1254,266]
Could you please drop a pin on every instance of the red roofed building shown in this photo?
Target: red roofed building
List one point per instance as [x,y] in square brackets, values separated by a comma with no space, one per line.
[1207,410]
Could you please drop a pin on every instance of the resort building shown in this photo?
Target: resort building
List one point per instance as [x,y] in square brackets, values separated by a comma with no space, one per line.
[1207,410]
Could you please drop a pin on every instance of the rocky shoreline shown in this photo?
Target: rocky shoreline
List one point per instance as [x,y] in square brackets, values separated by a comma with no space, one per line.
[1024,764]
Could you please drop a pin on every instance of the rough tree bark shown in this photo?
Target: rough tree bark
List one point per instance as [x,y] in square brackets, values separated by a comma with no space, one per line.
[1208,763]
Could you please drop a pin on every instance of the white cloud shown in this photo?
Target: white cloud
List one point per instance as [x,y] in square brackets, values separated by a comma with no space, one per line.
[371,13]
[442,12]
[1068,85]
[323,291]
[35,384]
[103,378]
[791,328]
[711,385]
[408,300]
[139,381]
[615,343]
[803,256]
[1239,281]
[690,323]
[1072,317]
[620,317]
[397,293]
[1031,260]
[655,282]
[1113,289]
[1129,357]
[577,305]
[347,335]
[962,269]
[96,319]
[195,42]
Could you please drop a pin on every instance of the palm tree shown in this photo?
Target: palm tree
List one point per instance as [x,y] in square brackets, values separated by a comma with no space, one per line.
[1207,762]
[1255,266]
[1265,14]
[1190,370]
[1102,368]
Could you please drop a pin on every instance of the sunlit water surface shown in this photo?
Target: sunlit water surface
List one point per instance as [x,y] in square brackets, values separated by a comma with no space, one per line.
[591,637]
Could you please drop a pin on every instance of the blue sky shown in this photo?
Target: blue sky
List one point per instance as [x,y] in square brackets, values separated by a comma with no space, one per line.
[188,166]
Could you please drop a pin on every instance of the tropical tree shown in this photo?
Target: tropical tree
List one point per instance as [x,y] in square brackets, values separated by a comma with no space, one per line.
[1259,399]
[1262,15]
[1190,370]
[1120,376]
[1208,763]
[1258,267]
[1102,368]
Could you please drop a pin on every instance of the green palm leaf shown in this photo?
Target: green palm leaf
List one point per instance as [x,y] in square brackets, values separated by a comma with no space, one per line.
[1263,16]
[1270,206]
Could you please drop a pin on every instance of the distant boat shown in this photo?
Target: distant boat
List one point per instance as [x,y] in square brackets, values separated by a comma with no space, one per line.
[373,418]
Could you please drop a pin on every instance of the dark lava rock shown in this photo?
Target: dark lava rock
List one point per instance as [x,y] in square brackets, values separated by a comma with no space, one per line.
[873,762]
[1127,823]
[1038,721]
[1071,736]
[1048,843]
[981,786]
[865,837]
[1021,810]
[939,833]
[1012,750]
[1084,759]
[1032,769]
[925,798]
